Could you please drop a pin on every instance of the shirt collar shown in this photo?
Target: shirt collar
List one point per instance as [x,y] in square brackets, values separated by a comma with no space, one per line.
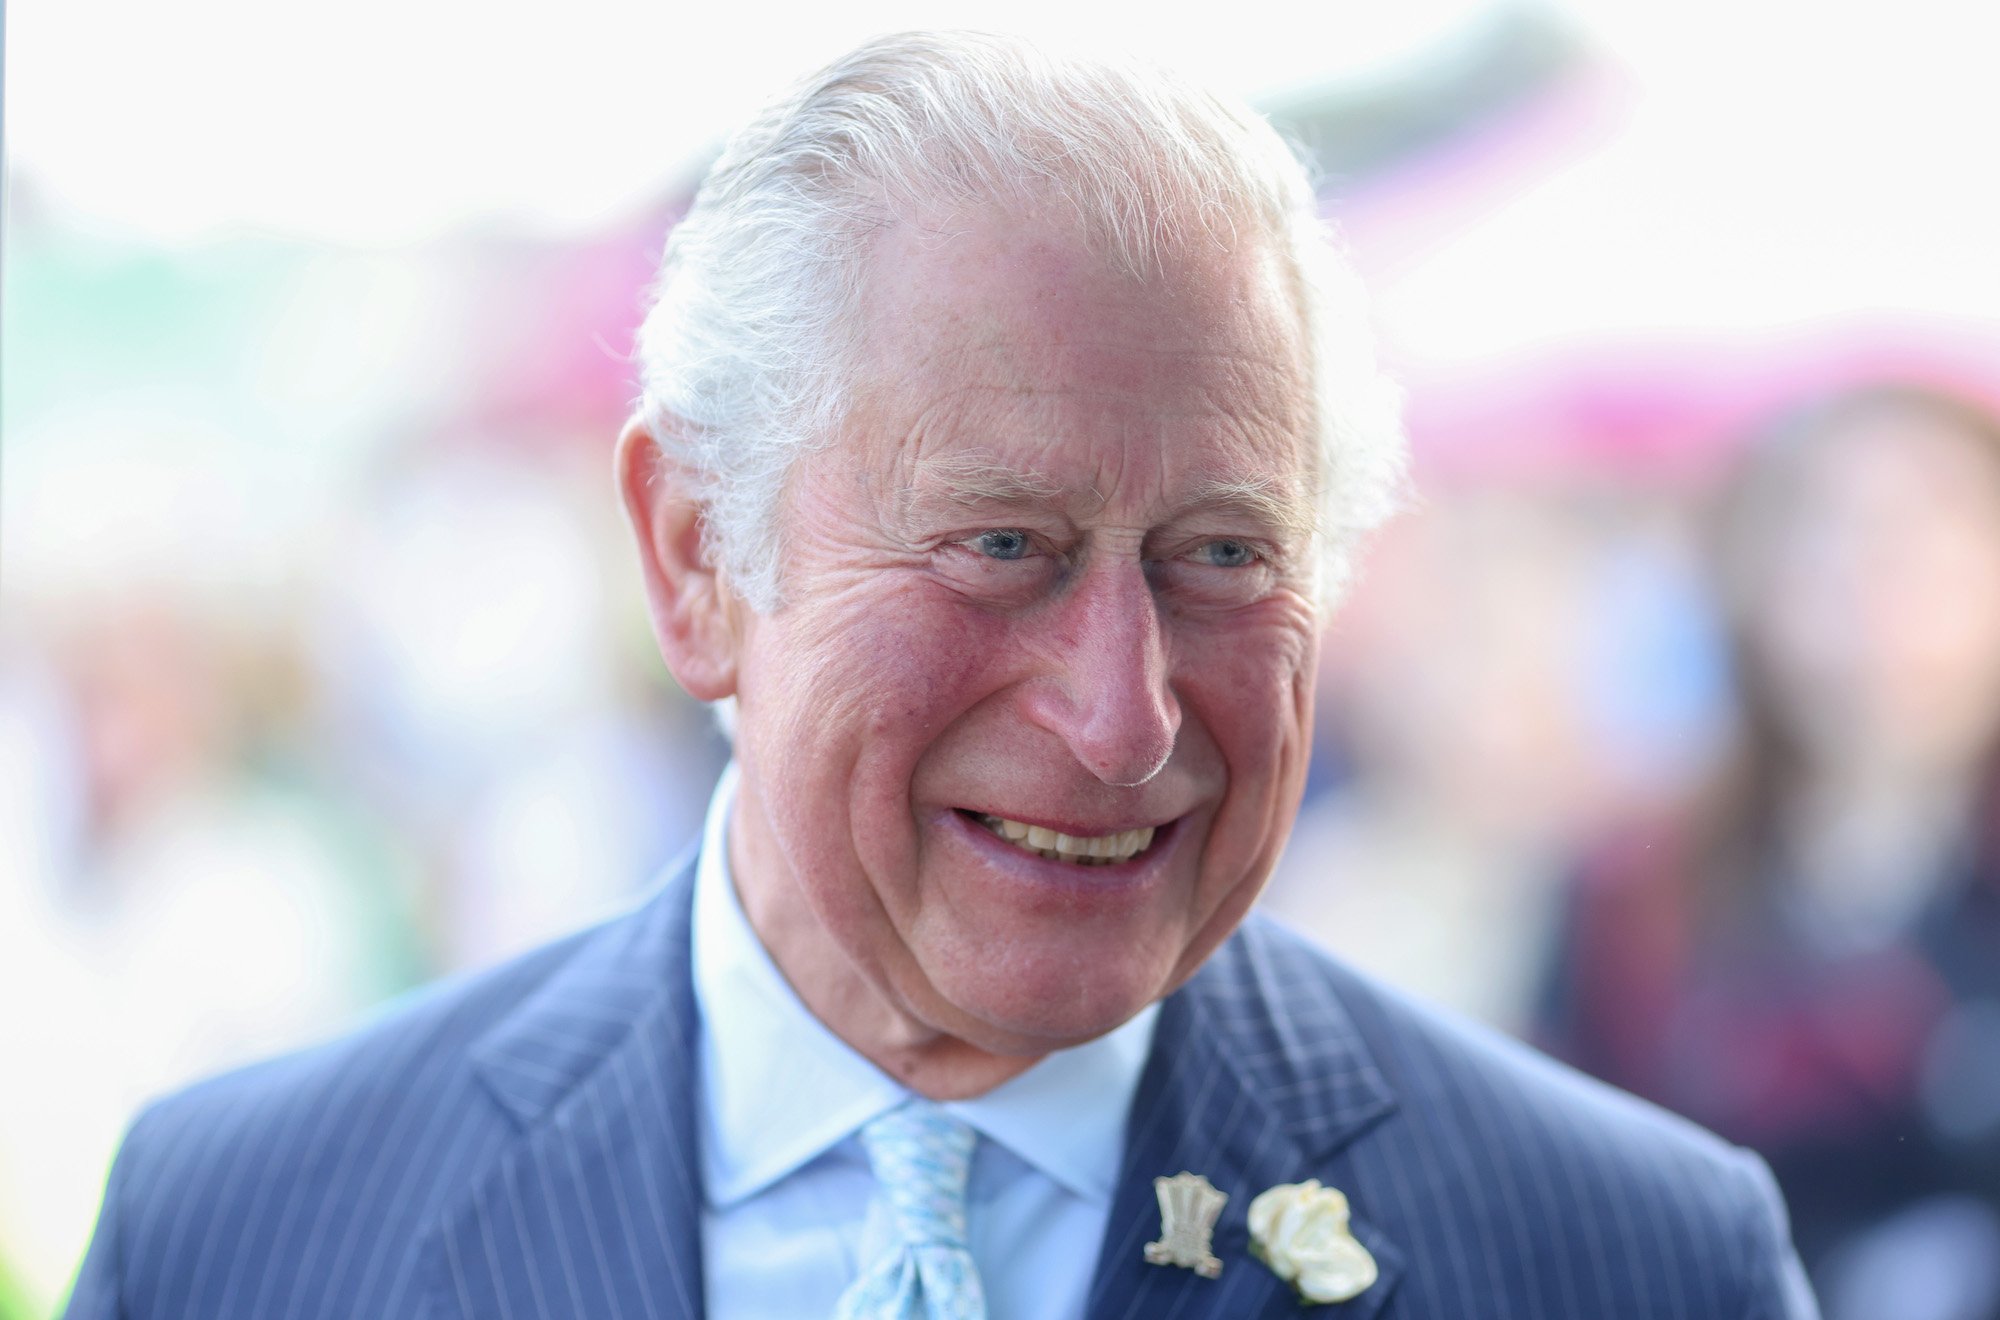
[778,1088]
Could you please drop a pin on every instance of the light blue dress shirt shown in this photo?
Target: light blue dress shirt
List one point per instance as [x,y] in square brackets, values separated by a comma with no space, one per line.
[790,1215]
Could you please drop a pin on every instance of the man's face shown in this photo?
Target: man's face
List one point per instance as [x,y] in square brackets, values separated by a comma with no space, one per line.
[1055,573]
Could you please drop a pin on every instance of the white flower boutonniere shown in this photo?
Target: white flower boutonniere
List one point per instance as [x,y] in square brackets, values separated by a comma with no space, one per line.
[1300,1231]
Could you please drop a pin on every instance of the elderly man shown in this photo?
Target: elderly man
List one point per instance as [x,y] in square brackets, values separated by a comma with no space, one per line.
[1004,433]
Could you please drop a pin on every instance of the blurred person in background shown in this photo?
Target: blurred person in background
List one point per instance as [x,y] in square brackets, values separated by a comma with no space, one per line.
[1807,956]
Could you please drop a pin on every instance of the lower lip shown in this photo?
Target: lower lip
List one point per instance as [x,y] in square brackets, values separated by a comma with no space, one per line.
[1117,878]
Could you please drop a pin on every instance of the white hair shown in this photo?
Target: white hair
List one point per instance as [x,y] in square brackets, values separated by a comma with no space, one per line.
[745,357]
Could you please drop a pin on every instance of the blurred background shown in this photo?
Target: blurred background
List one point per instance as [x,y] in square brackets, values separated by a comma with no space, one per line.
[1661,731]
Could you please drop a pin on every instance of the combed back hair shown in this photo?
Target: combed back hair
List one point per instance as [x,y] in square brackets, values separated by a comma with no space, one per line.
[745,355]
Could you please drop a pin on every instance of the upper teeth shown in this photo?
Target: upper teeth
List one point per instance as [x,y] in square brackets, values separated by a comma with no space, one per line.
[1098,850]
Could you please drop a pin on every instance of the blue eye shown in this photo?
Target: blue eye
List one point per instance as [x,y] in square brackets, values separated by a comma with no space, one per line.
[1006,543]
[1227,554]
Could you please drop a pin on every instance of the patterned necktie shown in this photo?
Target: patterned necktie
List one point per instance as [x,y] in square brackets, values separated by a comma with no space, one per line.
[921,1156]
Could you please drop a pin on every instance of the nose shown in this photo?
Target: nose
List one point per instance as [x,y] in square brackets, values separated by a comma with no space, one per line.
[1107,693]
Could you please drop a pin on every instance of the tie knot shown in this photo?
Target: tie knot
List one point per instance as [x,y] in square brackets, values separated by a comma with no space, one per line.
[921,1157]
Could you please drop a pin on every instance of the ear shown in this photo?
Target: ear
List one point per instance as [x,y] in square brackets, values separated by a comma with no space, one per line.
[693,611]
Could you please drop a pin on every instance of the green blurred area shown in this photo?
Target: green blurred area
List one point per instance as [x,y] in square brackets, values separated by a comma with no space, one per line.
[13,1298]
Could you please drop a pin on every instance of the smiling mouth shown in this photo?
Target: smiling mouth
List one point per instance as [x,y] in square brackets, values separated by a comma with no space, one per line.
[1096,850]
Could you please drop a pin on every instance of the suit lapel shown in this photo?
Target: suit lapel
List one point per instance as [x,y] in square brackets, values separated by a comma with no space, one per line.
[596,1209]
[1250,1097]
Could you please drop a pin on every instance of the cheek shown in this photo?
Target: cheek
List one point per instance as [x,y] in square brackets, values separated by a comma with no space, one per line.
[1250,690]
[1254,684]
[1253,694]
[918,661]
[841,663]
[867,686]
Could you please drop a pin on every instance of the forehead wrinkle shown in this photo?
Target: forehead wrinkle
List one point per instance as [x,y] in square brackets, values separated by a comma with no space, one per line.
[1007,364]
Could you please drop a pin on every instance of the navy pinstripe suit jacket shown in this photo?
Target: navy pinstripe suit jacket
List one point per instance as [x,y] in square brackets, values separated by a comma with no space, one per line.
[522,1144]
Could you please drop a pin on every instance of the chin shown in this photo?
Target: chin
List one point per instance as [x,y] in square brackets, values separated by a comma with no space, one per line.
[1024,1005]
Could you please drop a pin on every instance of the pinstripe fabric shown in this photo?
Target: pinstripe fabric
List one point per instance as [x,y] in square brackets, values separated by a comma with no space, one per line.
[522,1144]
[518,1144]
[1488,1182]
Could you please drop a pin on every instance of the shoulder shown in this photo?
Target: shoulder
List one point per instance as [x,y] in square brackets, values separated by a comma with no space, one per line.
[1440,1063]
[247,1143]
[1525,1169]
[333,1160]
[576,995]
[411,1050]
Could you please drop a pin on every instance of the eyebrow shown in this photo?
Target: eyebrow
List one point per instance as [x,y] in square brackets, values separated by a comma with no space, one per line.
[1275,504]
[976,479]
